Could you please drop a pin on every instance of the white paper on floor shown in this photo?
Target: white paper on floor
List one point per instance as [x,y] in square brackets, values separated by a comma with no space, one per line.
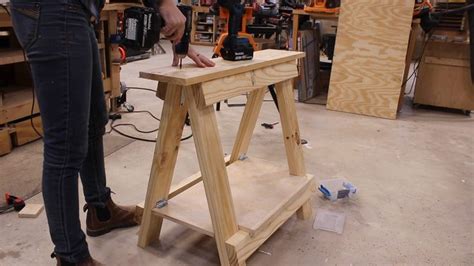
[329,221]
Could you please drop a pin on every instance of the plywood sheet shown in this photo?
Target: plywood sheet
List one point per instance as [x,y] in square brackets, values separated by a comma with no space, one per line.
[260,191]
[369,60]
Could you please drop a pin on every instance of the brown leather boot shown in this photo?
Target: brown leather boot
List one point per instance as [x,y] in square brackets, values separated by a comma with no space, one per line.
[86,262]
[117,217]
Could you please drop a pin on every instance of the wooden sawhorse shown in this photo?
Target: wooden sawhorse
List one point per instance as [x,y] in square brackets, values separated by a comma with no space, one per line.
[248,199]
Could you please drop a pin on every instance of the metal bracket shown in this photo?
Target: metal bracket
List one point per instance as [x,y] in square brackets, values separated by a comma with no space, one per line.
[243,157]
[161,203]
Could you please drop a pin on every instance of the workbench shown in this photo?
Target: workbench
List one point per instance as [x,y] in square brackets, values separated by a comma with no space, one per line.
[239,200]
[315,15]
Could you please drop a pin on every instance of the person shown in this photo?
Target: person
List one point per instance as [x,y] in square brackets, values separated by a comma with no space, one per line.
[61,47]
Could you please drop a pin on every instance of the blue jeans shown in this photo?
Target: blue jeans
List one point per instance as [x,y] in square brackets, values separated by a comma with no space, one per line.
[62,49]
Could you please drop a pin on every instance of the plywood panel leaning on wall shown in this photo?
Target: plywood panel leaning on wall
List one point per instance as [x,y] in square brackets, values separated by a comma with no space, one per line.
[369,60]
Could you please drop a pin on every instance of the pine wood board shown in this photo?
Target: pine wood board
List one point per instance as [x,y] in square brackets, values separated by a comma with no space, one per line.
[5,141]
[24,132]
[31,210]
[164,162]
[260,190]
[17,102]
[5,20]
[11,57]
[191,74]
[369,59]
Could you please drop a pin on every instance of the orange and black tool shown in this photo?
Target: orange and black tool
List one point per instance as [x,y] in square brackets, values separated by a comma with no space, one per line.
[421,5]
[324,6]
[16,202]
[235,43]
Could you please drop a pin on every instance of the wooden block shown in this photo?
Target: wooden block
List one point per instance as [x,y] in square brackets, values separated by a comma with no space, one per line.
[218,90]
[369,58]
[31,210]
[5,141]
[191,74]
[24,132]
[115,80]
[305,211]
[139,212]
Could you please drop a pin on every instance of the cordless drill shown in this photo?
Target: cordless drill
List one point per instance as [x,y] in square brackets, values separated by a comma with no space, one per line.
[235,47]
[181,48]
[141,29]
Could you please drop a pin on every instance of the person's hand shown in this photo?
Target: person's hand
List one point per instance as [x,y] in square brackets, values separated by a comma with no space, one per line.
[174,21]
[199,59]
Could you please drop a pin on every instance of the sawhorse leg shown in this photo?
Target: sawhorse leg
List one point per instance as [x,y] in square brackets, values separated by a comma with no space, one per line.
[164,161]
[213,170]
[247,123]
[291,135]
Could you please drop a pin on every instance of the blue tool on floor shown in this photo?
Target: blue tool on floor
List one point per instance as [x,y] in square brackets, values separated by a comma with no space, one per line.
[340,188]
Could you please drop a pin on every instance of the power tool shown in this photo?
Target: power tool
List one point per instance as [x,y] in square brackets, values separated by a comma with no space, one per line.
[16,202]
[141,26]
[236,44]
[182,48]
[325,6]
[422,5]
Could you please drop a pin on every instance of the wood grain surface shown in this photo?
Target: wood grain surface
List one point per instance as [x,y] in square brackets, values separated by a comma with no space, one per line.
[11,57]
[191,74]
[261,190]
[369,60]
[225,88]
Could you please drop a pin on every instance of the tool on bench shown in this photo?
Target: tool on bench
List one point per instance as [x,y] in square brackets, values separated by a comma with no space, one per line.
[181,48]
[324,6]
[236,44]
[422,5]
[16,202]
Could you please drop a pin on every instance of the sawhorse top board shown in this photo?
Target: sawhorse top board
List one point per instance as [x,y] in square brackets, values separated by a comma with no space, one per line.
[239,200]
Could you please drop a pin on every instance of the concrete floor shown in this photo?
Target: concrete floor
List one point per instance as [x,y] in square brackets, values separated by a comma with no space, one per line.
[415,177]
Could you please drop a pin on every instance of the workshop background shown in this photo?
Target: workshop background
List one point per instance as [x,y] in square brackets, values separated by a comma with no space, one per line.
[383,96]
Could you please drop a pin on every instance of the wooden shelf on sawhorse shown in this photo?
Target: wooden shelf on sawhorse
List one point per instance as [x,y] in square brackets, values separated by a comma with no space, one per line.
[241,201]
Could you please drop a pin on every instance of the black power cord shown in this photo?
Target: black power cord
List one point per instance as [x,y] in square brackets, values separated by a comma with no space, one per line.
[418,62]
[113,127]
[28,66]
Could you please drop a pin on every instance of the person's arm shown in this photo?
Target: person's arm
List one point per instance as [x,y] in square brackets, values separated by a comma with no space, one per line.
[174,19]
[174,29]
[200,60]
